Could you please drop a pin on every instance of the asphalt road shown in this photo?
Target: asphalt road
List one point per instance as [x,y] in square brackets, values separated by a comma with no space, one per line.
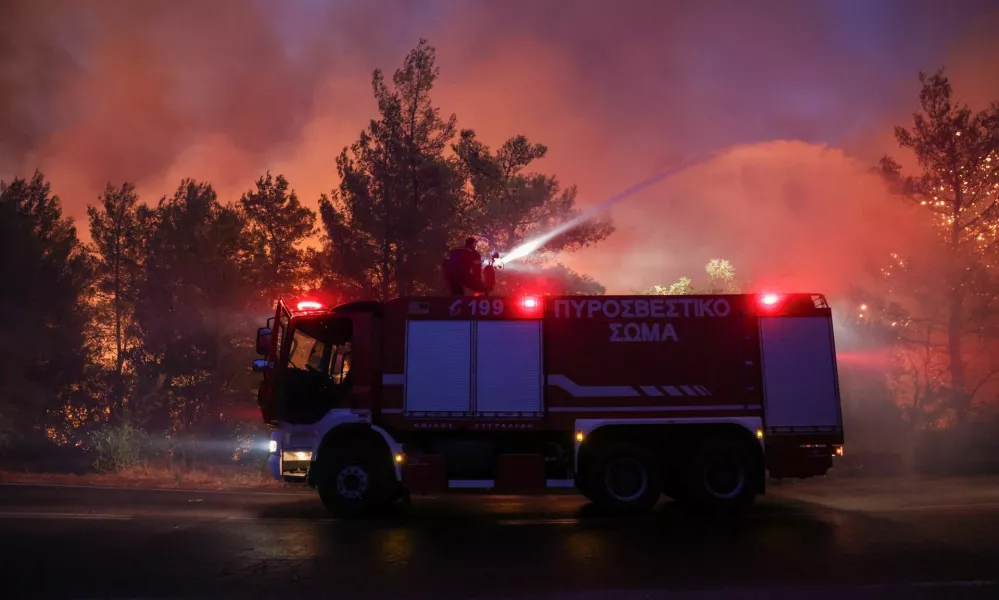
[861,539]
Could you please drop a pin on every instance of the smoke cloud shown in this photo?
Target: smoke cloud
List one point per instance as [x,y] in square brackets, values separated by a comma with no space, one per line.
[799,98]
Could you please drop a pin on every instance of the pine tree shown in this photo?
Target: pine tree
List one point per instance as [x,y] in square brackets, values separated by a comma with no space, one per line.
[508,205]
[193,307]
[388,225]
[118,228]
[958,152]
[278,225]
[47,273]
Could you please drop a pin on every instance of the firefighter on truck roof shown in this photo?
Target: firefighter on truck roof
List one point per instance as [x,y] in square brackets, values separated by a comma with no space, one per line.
[463,269]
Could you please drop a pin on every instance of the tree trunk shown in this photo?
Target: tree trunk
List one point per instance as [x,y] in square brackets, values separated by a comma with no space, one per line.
[955,312]
[386,243]
[405,283]
[958,377]
[117,400]
[385,269]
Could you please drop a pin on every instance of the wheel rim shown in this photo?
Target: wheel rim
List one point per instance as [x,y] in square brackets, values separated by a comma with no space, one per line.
[724,477]
[352,482]
[626,479]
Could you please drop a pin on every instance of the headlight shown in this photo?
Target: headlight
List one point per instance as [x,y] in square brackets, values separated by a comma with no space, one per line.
[272,446]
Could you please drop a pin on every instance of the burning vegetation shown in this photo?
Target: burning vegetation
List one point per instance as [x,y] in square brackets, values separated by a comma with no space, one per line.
[146,326]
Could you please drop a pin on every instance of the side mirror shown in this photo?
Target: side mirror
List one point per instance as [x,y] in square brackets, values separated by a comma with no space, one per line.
[259,365]
[263,341]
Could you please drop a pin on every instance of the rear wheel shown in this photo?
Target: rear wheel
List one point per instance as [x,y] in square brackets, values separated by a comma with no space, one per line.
[623,478]
[355,482]
[724,474]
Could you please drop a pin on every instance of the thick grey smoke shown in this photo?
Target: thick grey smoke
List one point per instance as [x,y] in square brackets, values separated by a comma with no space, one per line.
[119,90]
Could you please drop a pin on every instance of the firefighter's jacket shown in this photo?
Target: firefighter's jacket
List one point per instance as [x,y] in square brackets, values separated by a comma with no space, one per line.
[463,266]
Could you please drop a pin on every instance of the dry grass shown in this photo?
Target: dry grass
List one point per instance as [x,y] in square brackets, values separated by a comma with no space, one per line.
[203,478]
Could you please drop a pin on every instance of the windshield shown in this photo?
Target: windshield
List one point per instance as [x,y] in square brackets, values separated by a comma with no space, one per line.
[321,346]
[306,352]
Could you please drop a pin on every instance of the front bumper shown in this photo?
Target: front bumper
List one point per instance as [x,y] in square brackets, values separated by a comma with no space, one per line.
[288,464]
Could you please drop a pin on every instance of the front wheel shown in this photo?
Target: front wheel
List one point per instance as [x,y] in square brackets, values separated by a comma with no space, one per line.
[354,483]
[623,478]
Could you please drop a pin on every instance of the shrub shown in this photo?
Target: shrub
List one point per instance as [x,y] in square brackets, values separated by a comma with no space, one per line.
[117,447]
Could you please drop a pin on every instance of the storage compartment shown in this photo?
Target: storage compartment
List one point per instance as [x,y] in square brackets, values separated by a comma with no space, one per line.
[508,368]
[799,374]
[439,367]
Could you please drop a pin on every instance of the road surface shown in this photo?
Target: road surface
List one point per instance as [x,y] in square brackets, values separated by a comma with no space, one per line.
[818,539]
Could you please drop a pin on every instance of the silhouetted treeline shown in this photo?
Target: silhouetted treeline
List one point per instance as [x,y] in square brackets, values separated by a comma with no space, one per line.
[151,323]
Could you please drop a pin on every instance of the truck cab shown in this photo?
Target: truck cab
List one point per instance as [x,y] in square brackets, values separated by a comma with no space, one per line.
[317,360]
[319,372]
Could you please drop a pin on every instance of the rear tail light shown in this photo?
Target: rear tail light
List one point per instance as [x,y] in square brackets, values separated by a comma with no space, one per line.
[769,300]
[529,303]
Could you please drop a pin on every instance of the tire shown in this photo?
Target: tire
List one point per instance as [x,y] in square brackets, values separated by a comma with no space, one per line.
[623,479]
[356,482]
[724,475]
[580,483]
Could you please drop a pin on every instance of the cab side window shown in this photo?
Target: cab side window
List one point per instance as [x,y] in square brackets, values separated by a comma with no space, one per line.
[341,363]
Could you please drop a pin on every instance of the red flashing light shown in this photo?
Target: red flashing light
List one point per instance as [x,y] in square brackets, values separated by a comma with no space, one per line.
[529,303]
[309,305]
[769,299]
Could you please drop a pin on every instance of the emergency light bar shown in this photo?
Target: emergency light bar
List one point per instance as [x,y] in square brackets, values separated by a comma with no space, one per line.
[529,302]
[769,299]
[309,305]
[789,305]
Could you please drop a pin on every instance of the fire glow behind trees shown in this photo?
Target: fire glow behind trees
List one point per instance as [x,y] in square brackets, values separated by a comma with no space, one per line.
[948,321]
[177,288]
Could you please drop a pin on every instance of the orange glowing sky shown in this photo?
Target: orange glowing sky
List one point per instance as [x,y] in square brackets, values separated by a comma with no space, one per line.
[798,99]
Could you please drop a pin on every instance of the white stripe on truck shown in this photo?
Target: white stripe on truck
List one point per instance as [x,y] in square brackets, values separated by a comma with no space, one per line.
[608,391]
[620,409]
[596,391]
[591,391]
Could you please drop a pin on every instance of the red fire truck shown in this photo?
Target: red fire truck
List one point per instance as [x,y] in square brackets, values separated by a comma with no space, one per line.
[624,398]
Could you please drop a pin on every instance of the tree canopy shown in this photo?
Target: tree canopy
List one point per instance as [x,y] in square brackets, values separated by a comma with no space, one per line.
[47,272]
[506,205]
[946,297]
[721,280]
[278,225]
[409,190]
[388,224]
[152,323]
